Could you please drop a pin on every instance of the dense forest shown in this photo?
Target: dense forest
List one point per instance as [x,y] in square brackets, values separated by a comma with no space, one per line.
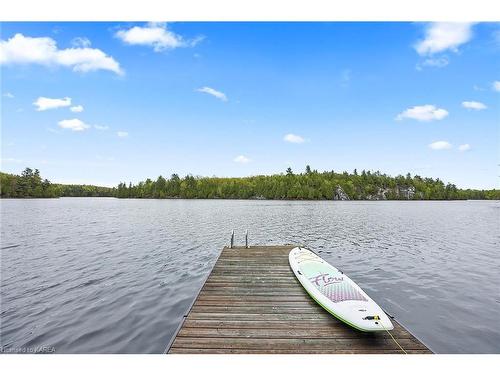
[310,184]
[31,185]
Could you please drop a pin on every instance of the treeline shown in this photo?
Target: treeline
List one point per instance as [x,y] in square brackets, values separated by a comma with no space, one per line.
[311,185]
[85,191]
[29,184]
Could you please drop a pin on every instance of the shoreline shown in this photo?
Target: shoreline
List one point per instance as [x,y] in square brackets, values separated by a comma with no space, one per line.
[264,200]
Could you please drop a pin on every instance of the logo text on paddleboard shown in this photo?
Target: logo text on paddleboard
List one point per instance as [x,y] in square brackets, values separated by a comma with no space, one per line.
[325,279]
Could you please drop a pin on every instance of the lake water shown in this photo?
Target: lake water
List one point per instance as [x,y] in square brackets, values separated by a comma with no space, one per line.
[103,275]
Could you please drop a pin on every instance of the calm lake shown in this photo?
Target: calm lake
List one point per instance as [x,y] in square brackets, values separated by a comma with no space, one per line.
[103,275]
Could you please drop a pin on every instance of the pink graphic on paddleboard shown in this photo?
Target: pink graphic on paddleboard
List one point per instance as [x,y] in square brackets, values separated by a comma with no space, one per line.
[335,289]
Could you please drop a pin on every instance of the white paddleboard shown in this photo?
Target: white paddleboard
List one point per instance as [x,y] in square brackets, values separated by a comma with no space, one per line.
[337,293]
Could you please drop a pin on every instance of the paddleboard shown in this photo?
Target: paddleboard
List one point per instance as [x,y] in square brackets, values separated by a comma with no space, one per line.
[336,292]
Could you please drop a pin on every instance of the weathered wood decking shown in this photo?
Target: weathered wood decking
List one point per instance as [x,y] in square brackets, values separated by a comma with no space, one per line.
[252,303]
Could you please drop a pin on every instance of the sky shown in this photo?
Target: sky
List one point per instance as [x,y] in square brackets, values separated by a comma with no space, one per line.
[100,103]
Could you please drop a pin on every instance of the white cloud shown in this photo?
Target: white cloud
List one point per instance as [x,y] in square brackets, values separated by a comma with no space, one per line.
[76,108]
[463,148]
[8,95]
[440,145]
[155,35]
[87,60]
[22,49]
[496,86]
[213,92]
[43,103]
[438,62]
[81,42]
[426,112]
[101,127]
[443,36]
[474,105]
[293,138]
[122,134]
[242,159]
[74,124]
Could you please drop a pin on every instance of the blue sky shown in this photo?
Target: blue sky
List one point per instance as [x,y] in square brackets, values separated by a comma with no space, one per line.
[239,99]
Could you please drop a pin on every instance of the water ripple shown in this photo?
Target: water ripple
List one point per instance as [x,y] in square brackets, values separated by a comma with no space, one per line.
[116,276]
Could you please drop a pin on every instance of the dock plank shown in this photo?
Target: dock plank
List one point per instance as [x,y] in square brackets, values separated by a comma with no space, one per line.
[252,303]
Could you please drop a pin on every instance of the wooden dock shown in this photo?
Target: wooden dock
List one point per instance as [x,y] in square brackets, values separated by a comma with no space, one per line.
[252,303]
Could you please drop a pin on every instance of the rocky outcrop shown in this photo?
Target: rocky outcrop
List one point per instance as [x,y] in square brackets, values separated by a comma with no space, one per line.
[381,195]
[399,193]
[406,192]
[340,195]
